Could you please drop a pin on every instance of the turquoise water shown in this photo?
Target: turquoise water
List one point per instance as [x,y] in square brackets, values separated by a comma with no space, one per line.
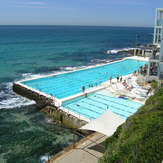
[94,105]
[43,49]
[68,84]
[29,50]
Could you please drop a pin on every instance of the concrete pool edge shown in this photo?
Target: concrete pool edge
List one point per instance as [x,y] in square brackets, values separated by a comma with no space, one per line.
[85,68]
[20,82]
[43,99]
[45,103]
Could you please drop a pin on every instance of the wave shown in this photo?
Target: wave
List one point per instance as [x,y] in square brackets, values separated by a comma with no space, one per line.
[10,100]
[115,51]
[30,76]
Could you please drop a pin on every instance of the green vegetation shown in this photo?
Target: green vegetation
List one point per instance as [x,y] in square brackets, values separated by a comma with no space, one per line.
[26,135]
[140,138]
[154,85]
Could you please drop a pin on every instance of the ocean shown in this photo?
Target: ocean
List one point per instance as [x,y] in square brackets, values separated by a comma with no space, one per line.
[27,51]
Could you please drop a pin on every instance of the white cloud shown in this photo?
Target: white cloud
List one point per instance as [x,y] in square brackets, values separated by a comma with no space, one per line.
[31,4]
[35,3]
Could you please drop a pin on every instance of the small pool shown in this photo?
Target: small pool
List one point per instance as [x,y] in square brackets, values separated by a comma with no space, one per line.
[94,105]
[68,84]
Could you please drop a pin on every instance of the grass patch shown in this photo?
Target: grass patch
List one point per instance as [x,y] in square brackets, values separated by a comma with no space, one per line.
[140,138]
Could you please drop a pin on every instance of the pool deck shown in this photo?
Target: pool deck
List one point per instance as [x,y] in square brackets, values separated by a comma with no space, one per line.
[59,101]
[103,85]
[87,150]
[98,88]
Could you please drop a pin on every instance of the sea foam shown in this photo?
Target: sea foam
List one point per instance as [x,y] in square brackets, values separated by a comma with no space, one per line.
[10,100]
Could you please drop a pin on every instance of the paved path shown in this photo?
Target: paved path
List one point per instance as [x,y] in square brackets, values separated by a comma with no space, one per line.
[87,151]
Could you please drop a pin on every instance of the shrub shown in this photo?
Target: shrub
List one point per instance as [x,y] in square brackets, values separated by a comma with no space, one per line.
[140,138]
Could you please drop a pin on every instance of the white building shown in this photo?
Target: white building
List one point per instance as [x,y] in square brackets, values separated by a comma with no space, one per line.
[158,26]
[155,68]
[160,67]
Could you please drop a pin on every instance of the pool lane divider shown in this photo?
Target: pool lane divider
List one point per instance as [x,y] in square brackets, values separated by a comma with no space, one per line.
[43,100]
[46,104]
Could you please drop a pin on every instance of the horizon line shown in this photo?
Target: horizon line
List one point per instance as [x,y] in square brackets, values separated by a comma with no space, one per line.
[76,25]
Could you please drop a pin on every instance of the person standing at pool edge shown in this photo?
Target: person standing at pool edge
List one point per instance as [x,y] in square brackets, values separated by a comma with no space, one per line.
[110,80]
[117,78]
[121,79]
[83,88]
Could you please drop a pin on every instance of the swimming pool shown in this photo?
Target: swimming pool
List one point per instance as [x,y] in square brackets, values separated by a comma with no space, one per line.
[95,104]
[68,84]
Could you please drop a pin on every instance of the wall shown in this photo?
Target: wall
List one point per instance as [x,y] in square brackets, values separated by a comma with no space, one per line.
[66,119]
[40,100]
[46,104]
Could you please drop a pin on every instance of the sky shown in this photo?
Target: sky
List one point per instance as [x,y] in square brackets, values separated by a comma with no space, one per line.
[79,12]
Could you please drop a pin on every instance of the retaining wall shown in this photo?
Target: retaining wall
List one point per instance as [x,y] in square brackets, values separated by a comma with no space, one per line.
[40,100]
[46,104]
[66,119]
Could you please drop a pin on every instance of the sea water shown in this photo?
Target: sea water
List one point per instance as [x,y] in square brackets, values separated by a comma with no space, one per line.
[27,51]
[68,84]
